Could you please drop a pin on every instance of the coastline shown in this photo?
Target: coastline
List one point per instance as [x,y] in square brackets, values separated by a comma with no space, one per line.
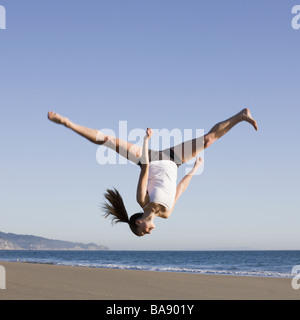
[274,264]
[31,281]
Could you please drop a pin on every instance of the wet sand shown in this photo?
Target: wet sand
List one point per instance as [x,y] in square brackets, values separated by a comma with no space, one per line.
[26,281]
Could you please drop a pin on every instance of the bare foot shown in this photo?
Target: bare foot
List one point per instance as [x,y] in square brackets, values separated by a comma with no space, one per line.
[57,118]
[247,117]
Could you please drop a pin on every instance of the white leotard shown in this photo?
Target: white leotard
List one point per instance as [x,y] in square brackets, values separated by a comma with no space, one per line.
[162,182]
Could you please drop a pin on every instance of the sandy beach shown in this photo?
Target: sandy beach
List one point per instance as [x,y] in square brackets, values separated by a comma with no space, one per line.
[26,281]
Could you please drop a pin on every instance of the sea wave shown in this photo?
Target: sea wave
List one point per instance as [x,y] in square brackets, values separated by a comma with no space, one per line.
[235,272]
[252,264]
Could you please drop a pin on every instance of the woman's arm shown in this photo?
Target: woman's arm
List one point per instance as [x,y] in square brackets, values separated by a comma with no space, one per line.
[183,184]
[141,194]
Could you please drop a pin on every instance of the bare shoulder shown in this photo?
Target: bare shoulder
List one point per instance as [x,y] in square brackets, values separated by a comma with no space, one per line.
[164,215]
[163,212]
[146,202]
[158,209]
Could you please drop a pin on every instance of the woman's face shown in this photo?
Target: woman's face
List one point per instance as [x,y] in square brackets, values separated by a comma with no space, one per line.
[145,227]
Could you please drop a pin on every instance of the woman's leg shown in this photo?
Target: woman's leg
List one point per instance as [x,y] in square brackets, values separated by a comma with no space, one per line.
[190,149]
[128,150]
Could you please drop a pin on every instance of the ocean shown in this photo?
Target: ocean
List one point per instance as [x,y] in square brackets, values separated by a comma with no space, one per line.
[277,264]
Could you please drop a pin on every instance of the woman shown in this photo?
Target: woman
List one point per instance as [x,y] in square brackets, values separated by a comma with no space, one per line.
[157,192]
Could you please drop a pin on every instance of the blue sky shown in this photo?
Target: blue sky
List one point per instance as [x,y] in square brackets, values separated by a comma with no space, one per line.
[162,64]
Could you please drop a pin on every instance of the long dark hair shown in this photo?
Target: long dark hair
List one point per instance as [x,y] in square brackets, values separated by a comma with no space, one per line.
[114,207]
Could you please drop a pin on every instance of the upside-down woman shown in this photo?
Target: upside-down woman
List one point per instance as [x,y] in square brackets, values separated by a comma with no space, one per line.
[157,189]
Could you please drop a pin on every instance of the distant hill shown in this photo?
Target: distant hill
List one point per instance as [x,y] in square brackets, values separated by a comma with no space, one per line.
[10,241]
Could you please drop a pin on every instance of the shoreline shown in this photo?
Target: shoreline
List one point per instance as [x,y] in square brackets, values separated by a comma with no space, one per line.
[34,281]
[145,270]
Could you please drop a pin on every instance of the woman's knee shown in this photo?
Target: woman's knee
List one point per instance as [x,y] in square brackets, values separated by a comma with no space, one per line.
[208,140]
[102,138]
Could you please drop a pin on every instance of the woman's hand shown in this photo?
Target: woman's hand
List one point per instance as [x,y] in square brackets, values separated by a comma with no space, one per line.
[199,161]
[149,133]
